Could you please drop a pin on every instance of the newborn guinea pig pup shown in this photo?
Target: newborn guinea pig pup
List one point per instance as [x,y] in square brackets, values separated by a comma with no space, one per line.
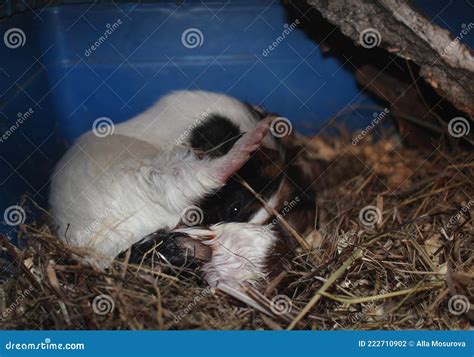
[108,192]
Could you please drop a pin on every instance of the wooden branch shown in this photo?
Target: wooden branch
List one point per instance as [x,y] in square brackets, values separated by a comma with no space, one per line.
[445,63]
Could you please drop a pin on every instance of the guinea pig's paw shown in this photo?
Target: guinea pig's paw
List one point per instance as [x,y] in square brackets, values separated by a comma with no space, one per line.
[252,140]
[240,253]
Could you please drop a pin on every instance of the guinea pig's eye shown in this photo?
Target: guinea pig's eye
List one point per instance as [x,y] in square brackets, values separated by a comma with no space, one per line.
[234,208]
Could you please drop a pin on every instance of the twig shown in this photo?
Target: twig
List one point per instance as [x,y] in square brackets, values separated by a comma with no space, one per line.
[273,211]
[380,296]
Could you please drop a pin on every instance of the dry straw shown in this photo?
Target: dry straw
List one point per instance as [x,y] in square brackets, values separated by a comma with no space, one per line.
[397,274]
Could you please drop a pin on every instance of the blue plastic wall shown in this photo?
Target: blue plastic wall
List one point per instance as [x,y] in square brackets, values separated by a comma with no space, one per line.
[67,87]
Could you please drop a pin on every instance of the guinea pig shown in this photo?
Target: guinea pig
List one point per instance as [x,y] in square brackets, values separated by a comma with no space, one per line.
[108,193]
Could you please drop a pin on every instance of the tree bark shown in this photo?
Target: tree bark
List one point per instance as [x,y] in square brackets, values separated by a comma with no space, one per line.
[445,63]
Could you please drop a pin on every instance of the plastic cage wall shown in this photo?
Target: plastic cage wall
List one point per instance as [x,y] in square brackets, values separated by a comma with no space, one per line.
[66,63]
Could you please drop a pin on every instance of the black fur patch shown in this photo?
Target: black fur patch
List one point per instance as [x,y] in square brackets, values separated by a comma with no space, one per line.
[215,137]
[165,242]
[234,203]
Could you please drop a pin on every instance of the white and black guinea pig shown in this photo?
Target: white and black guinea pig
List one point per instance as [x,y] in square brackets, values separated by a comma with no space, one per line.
[108,193]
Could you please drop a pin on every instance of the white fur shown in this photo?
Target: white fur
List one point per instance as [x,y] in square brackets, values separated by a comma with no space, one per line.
[262,214]
[239,252]
[107,202]
[109,192]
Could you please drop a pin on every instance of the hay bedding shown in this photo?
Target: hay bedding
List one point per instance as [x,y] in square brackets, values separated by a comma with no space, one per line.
[397,271]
